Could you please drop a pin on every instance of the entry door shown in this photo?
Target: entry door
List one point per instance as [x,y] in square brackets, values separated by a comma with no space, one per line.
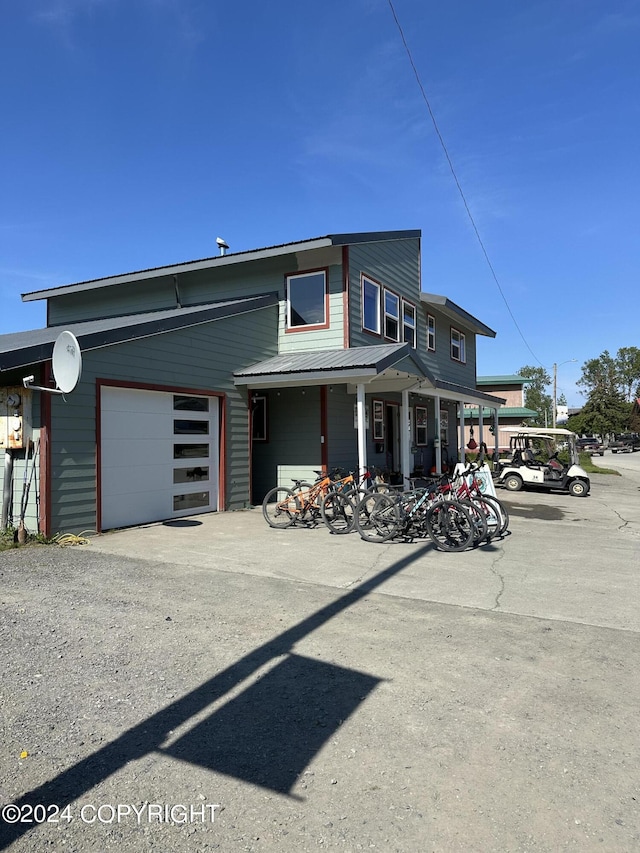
[159,455]
[393,436]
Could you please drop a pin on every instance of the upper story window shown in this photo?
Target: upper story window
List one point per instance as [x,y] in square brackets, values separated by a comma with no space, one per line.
[409,323]
[307,300]
[431,332]
[391,315]
[458,351]
[370,305]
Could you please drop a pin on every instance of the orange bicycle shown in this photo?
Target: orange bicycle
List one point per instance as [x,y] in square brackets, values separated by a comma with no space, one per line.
[283,507]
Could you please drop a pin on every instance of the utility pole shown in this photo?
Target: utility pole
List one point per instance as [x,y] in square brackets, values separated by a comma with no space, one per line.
[555,388]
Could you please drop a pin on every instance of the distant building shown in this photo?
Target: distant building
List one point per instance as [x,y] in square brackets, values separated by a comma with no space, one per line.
[512,413]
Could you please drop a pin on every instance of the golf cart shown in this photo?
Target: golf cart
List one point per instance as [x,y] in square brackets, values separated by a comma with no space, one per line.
[534,462]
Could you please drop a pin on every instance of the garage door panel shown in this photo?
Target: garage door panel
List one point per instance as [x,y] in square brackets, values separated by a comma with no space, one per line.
[138,451]
[137,401]
[116,480]
[118,425]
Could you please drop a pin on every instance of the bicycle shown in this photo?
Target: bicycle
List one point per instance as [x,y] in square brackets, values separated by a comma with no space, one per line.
[419,512]
[468,487]
[338,507]
[283,507]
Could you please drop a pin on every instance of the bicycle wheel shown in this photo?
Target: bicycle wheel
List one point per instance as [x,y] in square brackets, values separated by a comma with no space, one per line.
[356,496]
[478,513]
[377,517]
[338,512]
[501,511]
[280,507]
[450,526]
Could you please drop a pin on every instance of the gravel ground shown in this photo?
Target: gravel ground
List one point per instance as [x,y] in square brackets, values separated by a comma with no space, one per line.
[309,717]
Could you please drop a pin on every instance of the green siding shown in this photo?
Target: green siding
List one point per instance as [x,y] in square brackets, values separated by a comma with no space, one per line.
[394,264]
[318,339]
[202,358]
[293,449]
[440,362]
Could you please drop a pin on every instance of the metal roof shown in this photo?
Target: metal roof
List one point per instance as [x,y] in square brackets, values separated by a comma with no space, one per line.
[322,360]
[398,365]
[455,312]
[504,412]
[223,260]
[20,349]
[511,379]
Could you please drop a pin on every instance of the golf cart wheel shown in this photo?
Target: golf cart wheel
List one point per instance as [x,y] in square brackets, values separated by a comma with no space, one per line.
[513,483]
[578,488]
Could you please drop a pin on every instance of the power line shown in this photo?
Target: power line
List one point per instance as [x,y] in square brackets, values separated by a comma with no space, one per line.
[455,178]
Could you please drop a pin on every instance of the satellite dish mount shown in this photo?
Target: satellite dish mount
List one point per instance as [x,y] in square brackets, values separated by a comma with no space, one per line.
[66,362]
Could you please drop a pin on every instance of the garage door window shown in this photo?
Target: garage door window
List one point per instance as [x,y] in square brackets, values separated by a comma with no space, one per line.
[190,451]
[195,474]
[194,500]
[191,427]
[190,404]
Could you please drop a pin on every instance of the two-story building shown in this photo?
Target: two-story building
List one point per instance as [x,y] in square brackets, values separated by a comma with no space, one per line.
[206,383]
[512,413]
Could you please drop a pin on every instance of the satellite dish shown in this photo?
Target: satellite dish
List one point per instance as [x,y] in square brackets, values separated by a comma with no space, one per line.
[66,362]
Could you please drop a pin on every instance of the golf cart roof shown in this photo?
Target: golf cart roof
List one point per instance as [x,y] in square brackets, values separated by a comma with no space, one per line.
[543,433]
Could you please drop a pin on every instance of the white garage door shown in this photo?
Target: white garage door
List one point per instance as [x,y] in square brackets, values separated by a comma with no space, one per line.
[159,455]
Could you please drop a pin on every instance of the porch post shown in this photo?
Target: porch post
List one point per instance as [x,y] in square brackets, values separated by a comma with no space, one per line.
[405,438]
[496,437]
[436,442]
[362,429]
[480,426]
[461,431]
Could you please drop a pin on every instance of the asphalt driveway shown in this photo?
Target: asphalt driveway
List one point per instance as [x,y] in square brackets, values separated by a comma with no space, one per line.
[314,691]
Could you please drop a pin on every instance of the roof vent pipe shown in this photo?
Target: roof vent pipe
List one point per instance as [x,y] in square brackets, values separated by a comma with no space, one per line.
[222,245]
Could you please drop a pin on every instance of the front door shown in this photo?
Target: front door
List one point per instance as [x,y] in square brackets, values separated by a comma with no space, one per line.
[392,430]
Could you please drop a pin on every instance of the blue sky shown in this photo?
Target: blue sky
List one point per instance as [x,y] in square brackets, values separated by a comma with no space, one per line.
[134,132]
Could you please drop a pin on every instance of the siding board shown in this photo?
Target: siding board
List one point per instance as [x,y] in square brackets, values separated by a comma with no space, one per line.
[203,359]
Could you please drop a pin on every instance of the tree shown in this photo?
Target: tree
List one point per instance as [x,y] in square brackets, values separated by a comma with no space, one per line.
[535,394]
[604,413]
[628,365]
[599,374]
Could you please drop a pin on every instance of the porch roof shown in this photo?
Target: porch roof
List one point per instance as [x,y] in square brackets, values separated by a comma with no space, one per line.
[384,367]
[22,349]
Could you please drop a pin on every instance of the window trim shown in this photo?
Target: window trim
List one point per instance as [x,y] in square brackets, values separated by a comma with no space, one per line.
[388,291]
[289,329]
[414,339]
[378,287]
[431,334]
[378,419]
[461,345]
[265,421]
[419,426]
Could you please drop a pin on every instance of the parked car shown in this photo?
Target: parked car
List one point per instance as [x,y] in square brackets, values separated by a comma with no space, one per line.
[591,445]
[625,442]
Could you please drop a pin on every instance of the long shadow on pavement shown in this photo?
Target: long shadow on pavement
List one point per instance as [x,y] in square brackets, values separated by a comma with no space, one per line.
[294,726]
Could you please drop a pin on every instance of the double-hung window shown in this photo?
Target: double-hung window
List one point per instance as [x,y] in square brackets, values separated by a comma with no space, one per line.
[391,316]
[431,332]
[458,352]
[370,305]
[409,323]
[307,300]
